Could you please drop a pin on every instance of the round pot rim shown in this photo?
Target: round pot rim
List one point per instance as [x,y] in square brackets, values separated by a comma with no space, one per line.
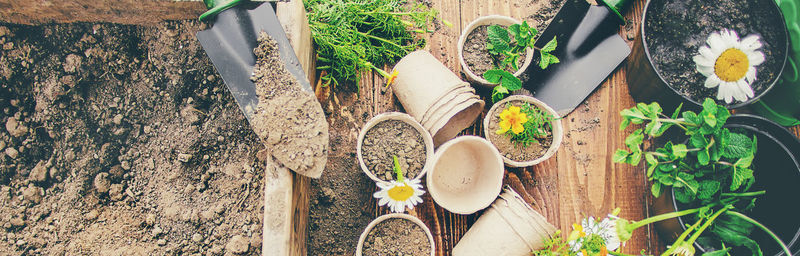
[778,74]
[462,39]
[432,188]
[674,203]
[426,138]
[384,217]
[557,126]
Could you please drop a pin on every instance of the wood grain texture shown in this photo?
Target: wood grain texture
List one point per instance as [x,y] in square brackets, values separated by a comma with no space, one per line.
[138,12]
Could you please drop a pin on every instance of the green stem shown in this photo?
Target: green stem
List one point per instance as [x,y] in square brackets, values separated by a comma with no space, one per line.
[664,216]
[758,224]
[397,169]
[381,39]
[681,238]
[619,253]
[708,223]
[748,194]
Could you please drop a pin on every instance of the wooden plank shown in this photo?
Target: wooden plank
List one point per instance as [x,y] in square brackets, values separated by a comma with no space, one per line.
[138,12]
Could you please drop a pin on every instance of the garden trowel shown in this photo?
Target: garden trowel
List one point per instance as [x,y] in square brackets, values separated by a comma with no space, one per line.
[230,42]
[589,49]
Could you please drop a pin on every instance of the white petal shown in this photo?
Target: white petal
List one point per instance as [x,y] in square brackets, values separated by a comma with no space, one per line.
[729,89]
[745,88]
[750,76]
[750,42]
[379,194]
[712,81]
[716,44]
[756,58]
[705,70]
[383,201]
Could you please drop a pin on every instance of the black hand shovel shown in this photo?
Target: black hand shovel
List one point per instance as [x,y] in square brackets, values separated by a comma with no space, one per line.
[589,49]
[230,42]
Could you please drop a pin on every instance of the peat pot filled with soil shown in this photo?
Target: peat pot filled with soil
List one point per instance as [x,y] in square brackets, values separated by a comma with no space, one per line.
[396,234]
[525,130]
[687,50]
[391,135]
[776,169]
[473,55]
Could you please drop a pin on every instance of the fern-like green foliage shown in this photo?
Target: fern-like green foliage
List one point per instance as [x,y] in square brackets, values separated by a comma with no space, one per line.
[357,35]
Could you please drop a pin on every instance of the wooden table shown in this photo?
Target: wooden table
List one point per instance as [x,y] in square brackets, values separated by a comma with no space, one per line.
[579,181]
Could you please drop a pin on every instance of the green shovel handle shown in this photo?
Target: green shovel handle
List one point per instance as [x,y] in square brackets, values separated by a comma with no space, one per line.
[214,7]
[616,7]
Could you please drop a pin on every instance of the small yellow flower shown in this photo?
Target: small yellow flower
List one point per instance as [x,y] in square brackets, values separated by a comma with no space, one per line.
[391,78]
[579,228]
[512,119]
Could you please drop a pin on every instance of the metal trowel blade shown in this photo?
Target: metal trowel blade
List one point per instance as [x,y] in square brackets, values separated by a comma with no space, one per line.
[230,42]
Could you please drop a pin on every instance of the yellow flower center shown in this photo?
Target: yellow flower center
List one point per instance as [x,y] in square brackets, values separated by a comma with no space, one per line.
[400,193]
[731,65]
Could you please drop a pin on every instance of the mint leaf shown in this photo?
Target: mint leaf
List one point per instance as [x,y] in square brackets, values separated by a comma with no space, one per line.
[493,75]
[708,188]
[656,189]
[498,93]
[620,156]
[739,176]
[703,157]
[635,157]
[624,124]
[739,146]
[634,140]
[683,195]
[498,39]
[544,61]
[510,82]
[550,46]
[514,30]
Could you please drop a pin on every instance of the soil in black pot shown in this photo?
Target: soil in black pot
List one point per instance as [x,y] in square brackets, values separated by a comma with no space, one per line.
[398,138]
[397,237]
[516,151]
[477,57]
[676,29]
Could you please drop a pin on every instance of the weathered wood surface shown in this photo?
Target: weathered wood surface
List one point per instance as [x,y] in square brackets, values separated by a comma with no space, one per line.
[138,12]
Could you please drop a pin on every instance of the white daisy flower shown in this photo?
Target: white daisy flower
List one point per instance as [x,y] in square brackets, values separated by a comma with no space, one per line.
[589,229]
[730,64]
[399,194]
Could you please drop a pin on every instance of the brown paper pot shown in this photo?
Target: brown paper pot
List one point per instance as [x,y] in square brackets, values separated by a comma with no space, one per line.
[422,81]
[509,226]
[389,216]
[462,116]
[446,108]
[466,175]
[488,20]
[558,129]
[456,96]
[426,138]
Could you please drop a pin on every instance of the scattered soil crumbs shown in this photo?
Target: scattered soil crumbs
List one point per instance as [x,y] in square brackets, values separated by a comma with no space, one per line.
[398,138]
[511,150]
[477,56]
[122,140]
[676,29]
[288,119]
[397,237]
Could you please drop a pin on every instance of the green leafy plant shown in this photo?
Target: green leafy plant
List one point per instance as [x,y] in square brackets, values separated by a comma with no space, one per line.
[537,126]
[506,52]
[352,36]
[556,245]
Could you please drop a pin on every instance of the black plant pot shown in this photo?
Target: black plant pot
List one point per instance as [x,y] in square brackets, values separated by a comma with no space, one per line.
[777,170]
[660,66]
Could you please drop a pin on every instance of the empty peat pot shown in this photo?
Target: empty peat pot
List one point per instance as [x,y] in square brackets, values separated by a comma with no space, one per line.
[466,175]
[462,40]
[511,153]
[776,169]
[393,216]
[388,116]
[661,66]
[423,84]
[510,227]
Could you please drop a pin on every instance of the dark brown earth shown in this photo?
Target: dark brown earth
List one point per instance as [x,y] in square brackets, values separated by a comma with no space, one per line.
[676,29]
[477,57]
[122,139]
[511,150]
[396,236]
[393,137]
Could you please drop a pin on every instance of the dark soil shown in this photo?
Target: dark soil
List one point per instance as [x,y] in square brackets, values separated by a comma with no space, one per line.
[477,57]
[397,237]
[509,149]
[288,119]
[393,137]
[676,29]
[122,140]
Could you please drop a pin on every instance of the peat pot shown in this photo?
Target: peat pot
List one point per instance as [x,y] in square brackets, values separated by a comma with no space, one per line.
[776,169]
[426,138]
[415,220]
[466,175]
[435,96]
[509,226]
[487,21]
[503,144]
[661,64]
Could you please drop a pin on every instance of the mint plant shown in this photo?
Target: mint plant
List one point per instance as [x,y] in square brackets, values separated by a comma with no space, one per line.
[500,44]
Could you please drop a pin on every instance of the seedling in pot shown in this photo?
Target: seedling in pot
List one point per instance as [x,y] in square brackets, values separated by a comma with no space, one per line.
[525,124]
[506,52]
[400,193]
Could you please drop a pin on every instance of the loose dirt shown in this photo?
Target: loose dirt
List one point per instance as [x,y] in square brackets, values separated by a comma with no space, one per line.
[288,119]
[477,56]
[393,137]
[675,30]
[512,150]
[122,140]
[397,237]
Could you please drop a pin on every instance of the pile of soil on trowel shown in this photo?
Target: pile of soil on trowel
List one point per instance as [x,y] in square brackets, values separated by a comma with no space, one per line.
[289,120]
